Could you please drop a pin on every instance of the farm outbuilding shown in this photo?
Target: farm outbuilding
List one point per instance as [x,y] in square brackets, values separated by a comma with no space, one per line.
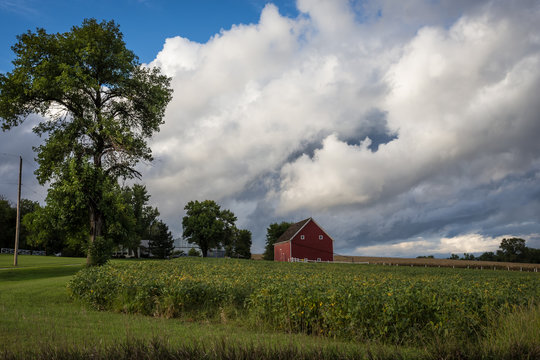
[304,241]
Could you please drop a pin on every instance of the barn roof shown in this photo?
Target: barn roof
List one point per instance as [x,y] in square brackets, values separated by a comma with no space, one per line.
[292,230]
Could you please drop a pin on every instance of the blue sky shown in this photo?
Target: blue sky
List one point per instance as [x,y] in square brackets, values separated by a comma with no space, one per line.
[404,128]
[145,23]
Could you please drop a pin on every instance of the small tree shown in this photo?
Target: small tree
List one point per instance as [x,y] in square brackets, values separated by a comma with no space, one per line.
[193,252]
[144,216]
[161,241]
[206,225]
[273,232]
[241,245]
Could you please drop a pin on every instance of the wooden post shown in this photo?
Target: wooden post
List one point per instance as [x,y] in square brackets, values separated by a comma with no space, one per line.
[17,226]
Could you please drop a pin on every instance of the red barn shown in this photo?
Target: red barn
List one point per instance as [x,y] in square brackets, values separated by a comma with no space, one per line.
[305,240]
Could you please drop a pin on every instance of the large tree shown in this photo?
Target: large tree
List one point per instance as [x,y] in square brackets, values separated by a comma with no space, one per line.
[206,225]
[99,106]
[273,232]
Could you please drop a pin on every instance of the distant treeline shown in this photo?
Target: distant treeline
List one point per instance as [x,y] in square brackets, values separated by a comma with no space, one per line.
[510,250]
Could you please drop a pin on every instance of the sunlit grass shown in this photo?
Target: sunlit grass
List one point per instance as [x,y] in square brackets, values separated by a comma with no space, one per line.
[23,261]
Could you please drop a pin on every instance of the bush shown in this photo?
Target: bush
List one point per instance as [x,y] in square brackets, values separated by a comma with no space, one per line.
[194,252]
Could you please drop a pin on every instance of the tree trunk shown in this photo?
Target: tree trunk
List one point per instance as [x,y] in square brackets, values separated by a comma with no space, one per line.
[204,250]
[96,227]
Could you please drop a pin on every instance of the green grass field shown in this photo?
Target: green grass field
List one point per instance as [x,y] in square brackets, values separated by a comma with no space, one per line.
[24,261]
[39,320]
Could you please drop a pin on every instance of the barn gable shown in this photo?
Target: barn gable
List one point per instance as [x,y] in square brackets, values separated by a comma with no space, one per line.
[292,230]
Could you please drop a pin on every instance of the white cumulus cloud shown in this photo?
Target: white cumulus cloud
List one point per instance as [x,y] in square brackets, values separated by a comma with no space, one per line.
[384,121]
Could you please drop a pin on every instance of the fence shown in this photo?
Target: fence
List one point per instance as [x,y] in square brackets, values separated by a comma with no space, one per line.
[22,252]
[293,259]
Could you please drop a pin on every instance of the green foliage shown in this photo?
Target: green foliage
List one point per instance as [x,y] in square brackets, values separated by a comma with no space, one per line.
[8,219]
[513,249]
[364,303]
[8,216]
[99,107]
[100,251]
[510,250]
[194,252]
[161,241]
[206,225]
[143,216]
[62,225]
[242,244]
[488,256]
[273,232]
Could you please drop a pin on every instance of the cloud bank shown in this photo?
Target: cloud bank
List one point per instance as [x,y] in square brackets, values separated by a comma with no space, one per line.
[385,122]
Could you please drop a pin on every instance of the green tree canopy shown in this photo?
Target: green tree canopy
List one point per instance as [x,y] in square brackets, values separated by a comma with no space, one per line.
[62,224]
[99,105]
[206,225]
[273,232]
[240,247]
[161,241]
[144,216]
[513,249]
[8,219]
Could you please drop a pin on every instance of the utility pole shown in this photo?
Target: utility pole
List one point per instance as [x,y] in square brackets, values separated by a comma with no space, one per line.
[18,215]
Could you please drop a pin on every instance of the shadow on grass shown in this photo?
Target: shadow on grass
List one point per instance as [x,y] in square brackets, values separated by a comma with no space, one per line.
[38,273]
[159,349]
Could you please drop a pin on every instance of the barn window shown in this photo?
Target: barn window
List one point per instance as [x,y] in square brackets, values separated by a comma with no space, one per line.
[302,237]
[320,237]
[319,259]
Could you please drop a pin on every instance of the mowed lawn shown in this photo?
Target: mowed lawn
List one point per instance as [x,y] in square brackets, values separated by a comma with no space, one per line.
[25,261]
[36,313]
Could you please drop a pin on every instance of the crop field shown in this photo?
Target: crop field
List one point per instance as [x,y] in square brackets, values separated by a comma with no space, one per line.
[427,262]
[395,305]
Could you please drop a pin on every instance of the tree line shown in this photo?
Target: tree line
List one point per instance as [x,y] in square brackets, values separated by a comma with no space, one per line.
[61,227]
[510,250]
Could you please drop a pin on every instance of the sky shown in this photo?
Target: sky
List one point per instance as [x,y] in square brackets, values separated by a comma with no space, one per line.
[403,128]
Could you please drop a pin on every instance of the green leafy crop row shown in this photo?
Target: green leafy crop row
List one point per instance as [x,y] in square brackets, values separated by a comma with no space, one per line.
[362,302]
